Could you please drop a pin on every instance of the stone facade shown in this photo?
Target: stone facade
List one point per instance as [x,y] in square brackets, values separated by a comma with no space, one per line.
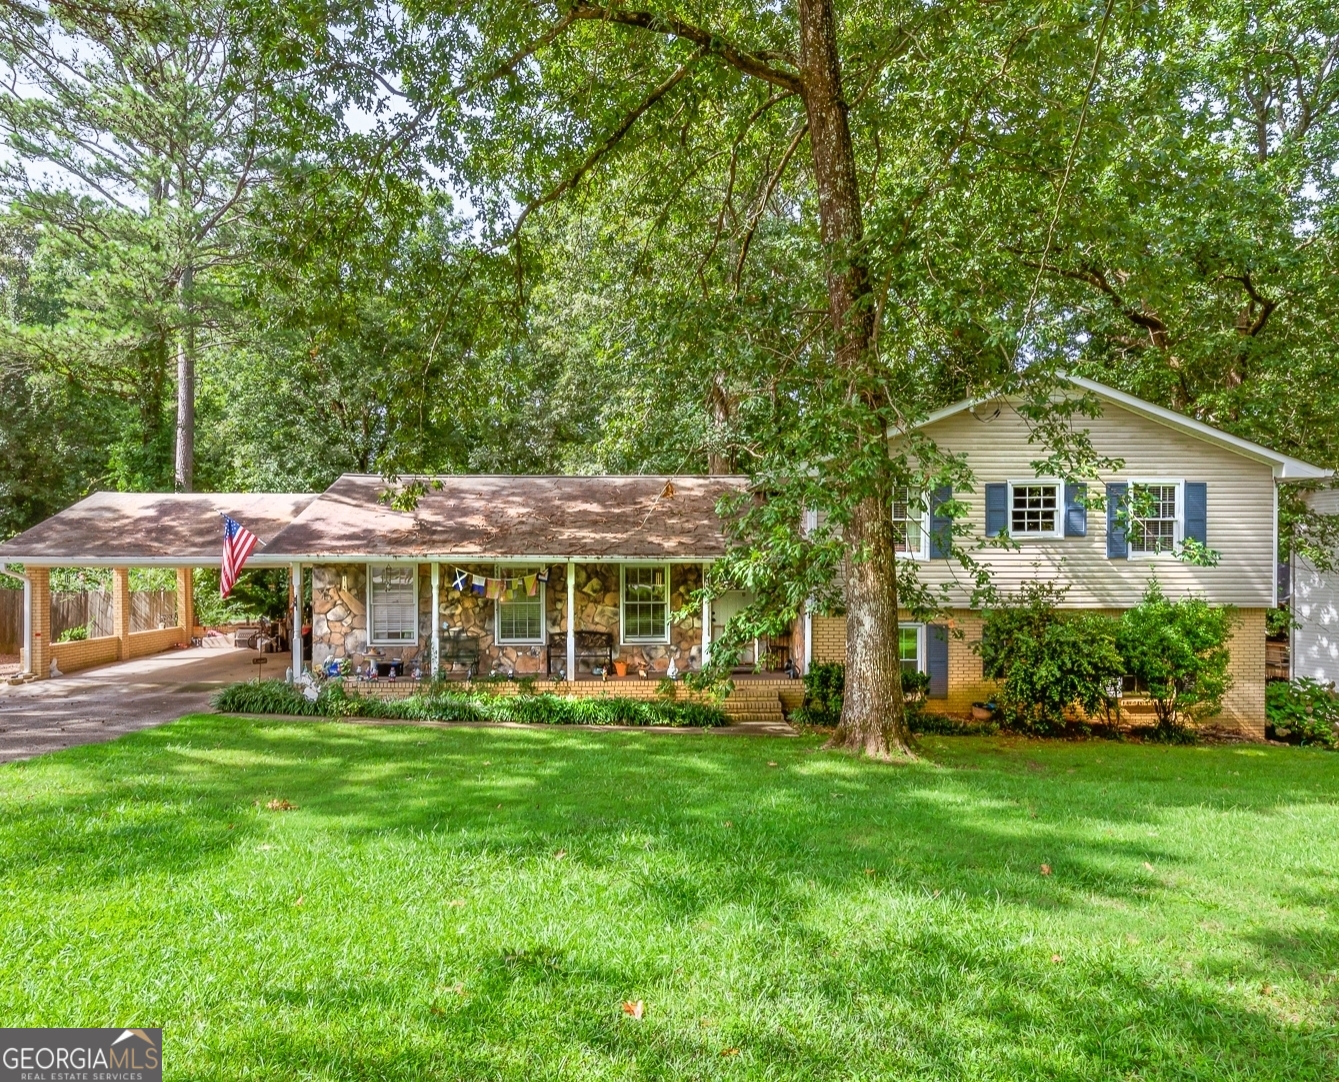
[340,629]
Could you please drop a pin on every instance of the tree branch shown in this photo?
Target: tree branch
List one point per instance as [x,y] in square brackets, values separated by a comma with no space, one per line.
[756,64]
[766,196]
[607,144]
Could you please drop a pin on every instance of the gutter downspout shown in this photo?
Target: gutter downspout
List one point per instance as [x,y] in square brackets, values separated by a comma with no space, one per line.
[27,616]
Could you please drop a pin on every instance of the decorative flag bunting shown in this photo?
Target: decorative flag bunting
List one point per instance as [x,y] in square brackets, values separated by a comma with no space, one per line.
[508,589]
[238,544]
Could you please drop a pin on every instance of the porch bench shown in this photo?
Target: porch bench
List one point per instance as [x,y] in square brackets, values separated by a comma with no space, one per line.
[596,648]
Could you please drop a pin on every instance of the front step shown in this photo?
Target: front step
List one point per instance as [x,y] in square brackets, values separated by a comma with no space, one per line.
[762,705]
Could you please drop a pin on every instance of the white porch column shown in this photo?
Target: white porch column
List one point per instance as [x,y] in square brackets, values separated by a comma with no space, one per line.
[295,629]
[436,619]
[571,620]
[706,622]
[808,639]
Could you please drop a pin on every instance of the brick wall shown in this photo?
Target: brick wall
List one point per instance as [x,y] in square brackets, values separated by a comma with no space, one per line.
[144,643]
[1243,706]
[73,656]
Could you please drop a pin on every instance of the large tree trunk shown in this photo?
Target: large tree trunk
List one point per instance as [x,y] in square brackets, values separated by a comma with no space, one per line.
[873,719]
[185,468]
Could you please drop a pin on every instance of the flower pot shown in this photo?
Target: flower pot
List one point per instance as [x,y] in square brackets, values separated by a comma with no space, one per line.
[983,711]
[620,668]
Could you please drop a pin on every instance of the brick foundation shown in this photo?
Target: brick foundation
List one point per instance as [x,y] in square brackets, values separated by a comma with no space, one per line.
[73,656]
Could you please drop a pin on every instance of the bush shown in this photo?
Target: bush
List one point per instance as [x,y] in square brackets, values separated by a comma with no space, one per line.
[824,690]
[1048,662]
[1304,711]
[1177,650]
[74,634]
[437,704]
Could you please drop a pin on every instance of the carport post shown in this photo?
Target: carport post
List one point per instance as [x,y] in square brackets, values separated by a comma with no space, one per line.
[571,621]
[706,619]
[295,629]
[436,620]
[37,620]
[121,610]
[186,601]
[27,624]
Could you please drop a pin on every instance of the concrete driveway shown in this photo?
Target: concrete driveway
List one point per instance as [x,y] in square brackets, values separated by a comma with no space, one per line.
[102,704]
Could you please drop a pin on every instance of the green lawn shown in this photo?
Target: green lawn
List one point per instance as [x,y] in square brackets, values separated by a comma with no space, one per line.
[477,904]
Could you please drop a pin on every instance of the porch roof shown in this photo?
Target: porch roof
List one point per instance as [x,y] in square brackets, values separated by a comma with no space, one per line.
[146,529]
[490,516]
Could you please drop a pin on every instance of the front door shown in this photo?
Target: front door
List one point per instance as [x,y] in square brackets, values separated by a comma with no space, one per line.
[722,609]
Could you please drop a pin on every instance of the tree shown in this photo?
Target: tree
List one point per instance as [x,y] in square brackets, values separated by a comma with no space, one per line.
[137,130]
[628,109]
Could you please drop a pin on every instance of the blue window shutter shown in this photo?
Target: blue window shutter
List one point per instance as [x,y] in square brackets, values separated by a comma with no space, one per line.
[941,526]
[1197,512]
[1118,547]
[936,660]
[997,509]
[1076,514]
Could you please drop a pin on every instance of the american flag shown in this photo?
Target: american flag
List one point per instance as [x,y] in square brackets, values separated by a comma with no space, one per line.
[238,543]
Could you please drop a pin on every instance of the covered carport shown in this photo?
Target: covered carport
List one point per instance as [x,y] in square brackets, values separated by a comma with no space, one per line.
[124,530]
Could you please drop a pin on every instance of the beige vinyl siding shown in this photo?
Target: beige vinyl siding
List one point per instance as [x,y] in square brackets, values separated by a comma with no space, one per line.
[1240,513]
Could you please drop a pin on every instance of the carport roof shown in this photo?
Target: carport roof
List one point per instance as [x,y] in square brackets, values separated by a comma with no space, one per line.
[147,529]
[502,516]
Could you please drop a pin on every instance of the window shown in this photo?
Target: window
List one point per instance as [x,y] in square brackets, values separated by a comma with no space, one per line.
[392,596]
[909,652]
[1035,510]
[1155,525]
[646,603]
[520,617]
[909,533]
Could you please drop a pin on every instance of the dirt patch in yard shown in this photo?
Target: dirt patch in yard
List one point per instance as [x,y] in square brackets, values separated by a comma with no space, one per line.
[9,664]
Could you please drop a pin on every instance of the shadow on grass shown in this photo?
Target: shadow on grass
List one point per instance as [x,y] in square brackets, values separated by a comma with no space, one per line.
[700,829]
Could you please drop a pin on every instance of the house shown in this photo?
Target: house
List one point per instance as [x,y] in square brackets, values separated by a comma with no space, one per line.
[1314,642]
[557,577]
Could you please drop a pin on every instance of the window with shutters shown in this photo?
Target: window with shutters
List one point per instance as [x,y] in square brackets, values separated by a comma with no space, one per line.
[911,647]
[909,531]
[392,604]
[1036,509]
[520,614]
[645,596]
[1155,517]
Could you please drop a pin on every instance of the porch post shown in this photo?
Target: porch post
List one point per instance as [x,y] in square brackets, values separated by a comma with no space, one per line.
[121,610]
[706,621]
[28,622]
[571,620]
[808,638]
[436,620]
[37,621]
[295,628]
[186,601]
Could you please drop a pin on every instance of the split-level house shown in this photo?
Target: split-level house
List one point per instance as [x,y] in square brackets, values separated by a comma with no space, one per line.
[584,580]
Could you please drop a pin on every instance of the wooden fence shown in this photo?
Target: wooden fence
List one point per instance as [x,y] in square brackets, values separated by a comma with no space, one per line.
[148,609]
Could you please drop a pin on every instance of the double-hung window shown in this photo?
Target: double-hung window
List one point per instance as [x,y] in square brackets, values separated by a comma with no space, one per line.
[1036,509]
[392,604]
[645,603]
[520,615]
[910,537]
[1155,517]
[910,647]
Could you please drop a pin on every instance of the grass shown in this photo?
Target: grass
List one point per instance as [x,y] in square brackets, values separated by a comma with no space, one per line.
[477,904]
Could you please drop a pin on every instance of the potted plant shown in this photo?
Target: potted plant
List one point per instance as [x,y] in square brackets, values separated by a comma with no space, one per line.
[620,668]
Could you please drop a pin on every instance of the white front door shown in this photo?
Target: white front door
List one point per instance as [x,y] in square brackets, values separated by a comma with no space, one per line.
[725,607]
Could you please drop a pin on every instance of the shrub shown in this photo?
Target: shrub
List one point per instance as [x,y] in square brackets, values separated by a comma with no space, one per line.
[437,704]
[265,697]
[1178,651]
[824,690]
[1048,662]
[74,634]
[1304,711]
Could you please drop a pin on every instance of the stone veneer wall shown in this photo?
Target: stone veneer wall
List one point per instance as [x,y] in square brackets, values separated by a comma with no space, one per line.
[339,617]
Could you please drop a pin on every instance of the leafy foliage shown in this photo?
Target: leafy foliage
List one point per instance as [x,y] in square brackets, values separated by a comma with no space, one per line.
[1304,711]
[449,704]
[1178,651]
[1049,662]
